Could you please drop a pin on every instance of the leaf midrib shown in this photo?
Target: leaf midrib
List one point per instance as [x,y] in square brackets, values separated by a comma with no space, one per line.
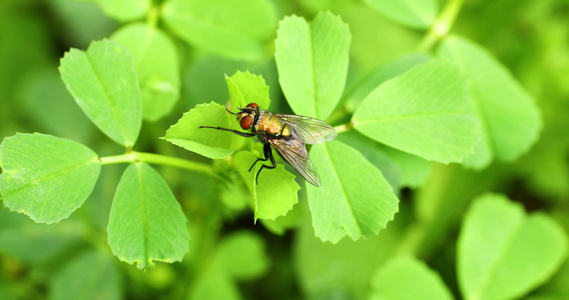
[499,259]
[49,176]
[482,118]
[143,210]
[111,103]
[344,193]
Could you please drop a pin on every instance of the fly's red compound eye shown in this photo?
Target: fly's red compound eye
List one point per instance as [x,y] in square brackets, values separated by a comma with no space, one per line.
[252,105]
[246,122]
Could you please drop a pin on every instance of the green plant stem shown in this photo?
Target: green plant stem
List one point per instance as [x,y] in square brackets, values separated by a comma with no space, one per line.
[158,159]
[152,16]
[442,25]
[344,127]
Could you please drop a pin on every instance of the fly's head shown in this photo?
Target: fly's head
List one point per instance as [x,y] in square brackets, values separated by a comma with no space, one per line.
[246,116]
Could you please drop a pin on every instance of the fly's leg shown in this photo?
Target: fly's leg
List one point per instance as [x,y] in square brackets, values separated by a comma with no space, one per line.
[268,156]
[266,148]
[245,134]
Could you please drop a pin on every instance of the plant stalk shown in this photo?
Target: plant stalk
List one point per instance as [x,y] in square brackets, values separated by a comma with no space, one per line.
[442,25]
[159,159]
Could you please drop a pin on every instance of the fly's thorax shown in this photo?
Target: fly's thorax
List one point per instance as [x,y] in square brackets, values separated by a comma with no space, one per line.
[271,125]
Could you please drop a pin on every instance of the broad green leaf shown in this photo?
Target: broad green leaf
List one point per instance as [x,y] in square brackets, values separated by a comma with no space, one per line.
[504,253]
[245,88]
[233,29]
[425,111]
[373,152]
[404,278]
[45,177]
[418,14]
[104,84]
[313,62]
[91,275]
[123,10]
[358,90]
[354,199]
[205,141]
[156,62]
[146,223]
[509,116]
[243,255]
[276,192]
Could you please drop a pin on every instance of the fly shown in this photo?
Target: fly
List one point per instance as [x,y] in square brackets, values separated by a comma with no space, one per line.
[288,134]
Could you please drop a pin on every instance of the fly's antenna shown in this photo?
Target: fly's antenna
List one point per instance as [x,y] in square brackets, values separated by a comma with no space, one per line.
[237,113]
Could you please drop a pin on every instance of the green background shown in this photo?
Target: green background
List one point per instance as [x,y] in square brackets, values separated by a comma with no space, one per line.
[487,226]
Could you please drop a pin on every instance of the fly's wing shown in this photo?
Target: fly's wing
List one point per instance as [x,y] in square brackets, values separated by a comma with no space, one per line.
[294,152]
[309,130]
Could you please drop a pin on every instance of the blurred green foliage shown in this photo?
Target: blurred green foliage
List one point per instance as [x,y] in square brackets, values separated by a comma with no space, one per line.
[231,256]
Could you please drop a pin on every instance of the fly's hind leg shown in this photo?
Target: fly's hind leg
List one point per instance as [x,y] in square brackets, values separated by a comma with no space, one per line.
[268,156]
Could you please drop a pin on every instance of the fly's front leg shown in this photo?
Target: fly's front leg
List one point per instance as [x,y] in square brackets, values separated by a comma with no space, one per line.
[245,134]
[268,156]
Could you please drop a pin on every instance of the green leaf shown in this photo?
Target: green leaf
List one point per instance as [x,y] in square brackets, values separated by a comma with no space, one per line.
[104,84]
[279,225]
[359,89]
[408,278]
[509,117]
[156,62]
[418,14]
[243,255]
[373,152]
[123,10]
[276,192]
[354,200]
[45,177]
[425,111]
[146,223]
[503,253]
[313,62]
[207,142]
[92,275]
[245,88]
[233,29]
